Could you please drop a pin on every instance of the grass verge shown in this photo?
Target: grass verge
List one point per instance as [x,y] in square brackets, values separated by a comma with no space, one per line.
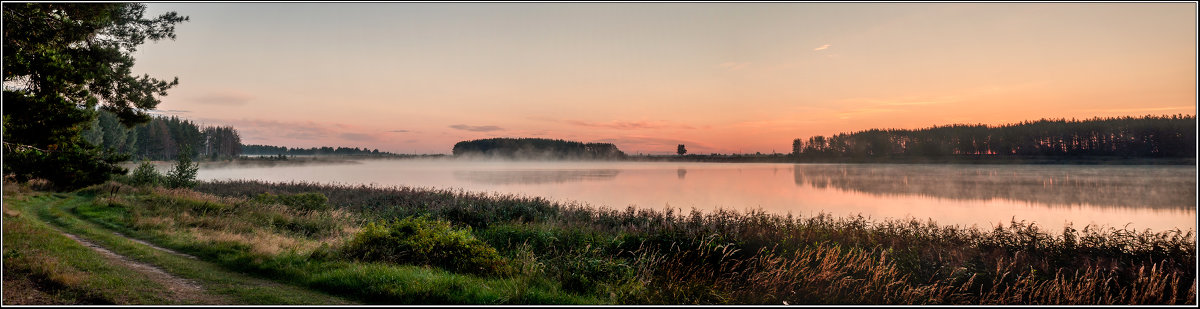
[43,266]
[58,210]
[640,256]
[420,246]
[304,245]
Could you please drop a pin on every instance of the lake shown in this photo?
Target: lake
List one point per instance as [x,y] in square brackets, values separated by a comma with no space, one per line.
[1137,197]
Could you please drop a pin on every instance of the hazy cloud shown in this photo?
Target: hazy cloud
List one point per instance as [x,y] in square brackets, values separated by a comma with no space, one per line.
[893,105]
[734,66]
[868,110]
[823,47]
[398,131]
[272,131]
[790,122]
[1144,109]
[914,103]
[628,125]
[227,97]
[476,128]
[541,118]
[261,128]
[356,137]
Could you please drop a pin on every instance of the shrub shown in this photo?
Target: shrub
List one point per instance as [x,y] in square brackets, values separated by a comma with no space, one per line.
[145,175]
[423,241]
[184,173]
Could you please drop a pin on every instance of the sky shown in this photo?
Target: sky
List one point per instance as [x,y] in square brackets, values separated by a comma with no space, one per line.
[717,77]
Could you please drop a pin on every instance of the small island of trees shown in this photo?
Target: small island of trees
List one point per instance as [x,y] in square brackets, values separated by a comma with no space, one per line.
[536,149]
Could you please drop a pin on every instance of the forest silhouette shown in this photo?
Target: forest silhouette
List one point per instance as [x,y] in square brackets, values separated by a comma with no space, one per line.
[1143,137]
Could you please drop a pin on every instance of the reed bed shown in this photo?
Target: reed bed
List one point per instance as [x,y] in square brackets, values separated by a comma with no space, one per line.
[297,238]
[644,256]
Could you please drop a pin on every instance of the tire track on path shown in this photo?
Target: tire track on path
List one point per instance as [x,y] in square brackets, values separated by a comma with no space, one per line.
[193,290]
[178,289]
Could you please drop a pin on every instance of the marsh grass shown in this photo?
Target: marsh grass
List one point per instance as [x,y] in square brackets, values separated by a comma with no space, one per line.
[723,257]
[421,241]
[316,246]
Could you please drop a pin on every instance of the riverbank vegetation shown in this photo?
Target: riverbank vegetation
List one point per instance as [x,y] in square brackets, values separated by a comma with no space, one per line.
[724,257]
[401,245]
[54,257]
[511,249]
[73,112]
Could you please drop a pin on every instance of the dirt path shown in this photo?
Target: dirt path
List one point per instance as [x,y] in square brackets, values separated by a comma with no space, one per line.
[180,282]
[156,247]
[180,290]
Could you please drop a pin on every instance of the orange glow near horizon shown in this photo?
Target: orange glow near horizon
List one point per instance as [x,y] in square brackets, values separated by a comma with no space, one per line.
[718,77]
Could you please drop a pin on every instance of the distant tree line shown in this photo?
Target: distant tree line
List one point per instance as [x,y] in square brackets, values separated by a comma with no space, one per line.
[280,150]
[536,148]
[162,138]
[1148,137]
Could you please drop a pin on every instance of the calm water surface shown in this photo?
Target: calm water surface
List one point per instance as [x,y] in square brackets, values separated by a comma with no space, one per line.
[1139,197]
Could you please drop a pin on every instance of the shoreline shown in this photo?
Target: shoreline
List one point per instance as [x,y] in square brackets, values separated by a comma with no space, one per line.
[972,160]
[351,241]
[249,187]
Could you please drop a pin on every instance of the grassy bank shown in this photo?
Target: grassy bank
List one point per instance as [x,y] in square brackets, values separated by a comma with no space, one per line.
[47,267]
[298,239]
[648,256]
[42,266]
[403,245]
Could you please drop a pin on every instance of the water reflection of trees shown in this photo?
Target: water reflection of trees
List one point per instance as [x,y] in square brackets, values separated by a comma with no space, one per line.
[535,176]
[1056,186]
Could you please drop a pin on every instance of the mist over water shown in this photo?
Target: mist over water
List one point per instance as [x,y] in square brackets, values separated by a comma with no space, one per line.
[1051,185]
[535,176]
[1138,197]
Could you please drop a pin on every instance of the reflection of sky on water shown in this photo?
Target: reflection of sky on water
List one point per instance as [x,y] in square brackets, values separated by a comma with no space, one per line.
[535,176]
[1154,187]
[1156,197]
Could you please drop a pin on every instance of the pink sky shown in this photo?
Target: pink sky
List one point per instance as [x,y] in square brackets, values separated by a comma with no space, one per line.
[718,77]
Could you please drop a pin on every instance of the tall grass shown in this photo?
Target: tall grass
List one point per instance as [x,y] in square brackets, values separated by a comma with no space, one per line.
[295,238]
[41,261]
[664,256]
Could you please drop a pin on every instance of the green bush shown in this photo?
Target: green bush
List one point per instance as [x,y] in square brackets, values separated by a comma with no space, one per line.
[423,241]
[184,173]
[305,201]
[145,175]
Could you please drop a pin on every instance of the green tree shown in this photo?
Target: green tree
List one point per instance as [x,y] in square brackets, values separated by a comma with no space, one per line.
[94,134]
[184,173]
[62,61]
[115,134]
[682,150]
